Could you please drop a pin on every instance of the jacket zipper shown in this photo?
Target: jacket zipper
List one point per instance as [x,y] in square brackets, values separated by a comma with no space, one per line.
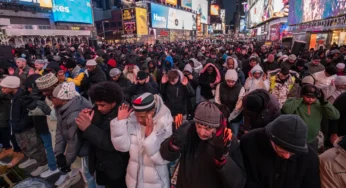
[11,117]
[177,91]
[309,109]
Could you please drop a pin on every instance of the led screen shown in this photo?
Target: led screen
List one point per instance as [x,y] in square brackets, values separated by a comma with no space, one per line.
[201,7]
[309,10]
[170,18]
[77,11]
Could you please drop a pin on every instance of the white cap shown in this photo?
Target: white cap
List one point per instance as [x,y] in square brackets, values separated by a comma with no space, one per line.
[340,65]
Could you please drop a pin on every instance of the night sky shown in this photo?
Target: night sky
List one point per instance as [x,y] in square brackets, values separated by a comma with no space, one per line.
[230,6]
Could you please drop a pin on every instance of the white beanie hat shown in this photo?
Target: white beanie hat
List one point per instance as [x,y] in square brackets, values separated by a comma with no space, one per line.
[12,82]
[231,75]
[65,91]
[340,80]
[340,65]
[91,63]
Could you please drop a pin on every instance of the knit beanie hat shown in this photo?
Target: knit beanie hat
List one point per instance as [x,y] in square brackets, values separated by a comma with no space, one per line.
[308,80]
[208,114]
[65,91]
[231,75]
[340,65]
[309,90]
[12,82]
[114,72]
[144,102]
[292,57]
[141,75]
[188,68]
[289,132]
[46,81]
[340,81]
[254,102]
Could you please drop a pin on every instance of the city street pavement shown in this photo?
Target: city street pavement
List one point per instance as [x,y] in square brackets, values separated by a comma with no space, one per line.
[54,178]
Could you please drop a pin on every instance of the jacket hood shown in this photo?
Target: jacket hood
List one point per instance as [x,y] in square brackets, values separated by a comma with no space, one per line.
[218,75]
[196,64]
[76,104]
[170,60]
[163,114]
[235,62]
[257,68]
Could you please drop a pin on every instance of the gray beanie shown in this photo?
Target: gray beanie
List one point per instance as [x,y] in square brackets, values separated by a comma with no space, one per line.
[289,132]
[114,72]
[188,68]
[208,114]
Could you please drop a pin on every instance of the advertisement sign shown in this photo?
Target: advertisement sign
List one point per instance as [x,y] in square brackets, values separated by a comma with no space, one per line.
[127,3]
[130,28]
[77,11]
[242,25]
[172,2]
[186,4]
[256,13]
[309,10]
[223,15]
[275,32]
[198,22]
[128,14]
[142,21]
[214,10]
[46,3]
[170,18]
[201,7]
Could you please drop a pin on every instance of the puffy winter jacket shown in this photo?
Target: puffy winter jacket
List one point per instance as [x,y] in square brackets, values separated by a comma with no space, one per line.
[68,137]
[146,168]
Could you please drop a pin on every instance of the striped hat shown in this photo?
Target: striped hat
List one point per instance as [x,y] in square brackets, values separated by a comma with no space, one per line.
[144,102]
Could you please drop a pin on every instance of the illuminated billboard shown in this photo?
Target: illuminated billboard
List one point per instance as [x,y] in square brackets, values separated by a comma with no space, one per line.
[76,11]
[141,21]
[128,14]
[214,10]
[201,7]
[186,4]
[170,18]
[309,10]
[172,2]
[46,3]
[127,3]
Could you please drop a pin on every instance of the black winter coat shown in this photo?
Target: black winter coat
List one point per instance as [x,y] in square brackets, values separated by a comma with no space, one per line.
[197,166]
[109,164]
[94,77]
[265,169]
[176,96]
[205,80]
[19,115]
[338,126]
[138,89]
[5,102]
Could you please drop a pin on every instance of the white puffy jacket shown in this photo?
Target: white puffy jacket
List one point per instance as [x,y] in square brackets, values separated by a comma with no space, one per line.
[146,168]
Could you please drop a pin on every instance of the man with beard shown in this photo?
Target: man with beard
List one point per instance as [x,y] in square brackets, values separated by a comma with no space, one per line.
[206,149]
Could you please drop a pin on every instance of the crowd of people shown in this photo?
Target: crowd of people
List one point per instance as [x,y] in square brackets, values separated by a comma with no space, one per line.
[177,114]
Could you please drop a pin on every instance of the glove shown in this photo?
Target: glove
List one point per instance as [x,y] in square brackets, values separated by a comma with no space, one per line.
[321,98]
[61,161]
[179,136]
[221,142]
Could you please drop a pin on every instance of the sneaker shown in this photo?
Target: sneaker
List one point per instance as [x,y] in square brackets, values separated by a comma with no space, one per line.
[61,180]
[6,153]
[17,157]
[49,173]
[70,181]
[27,163]
[39,170]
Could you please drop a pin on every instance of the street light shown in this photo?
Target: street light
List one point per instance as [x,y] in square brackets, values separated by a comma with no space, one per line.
[103,28]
